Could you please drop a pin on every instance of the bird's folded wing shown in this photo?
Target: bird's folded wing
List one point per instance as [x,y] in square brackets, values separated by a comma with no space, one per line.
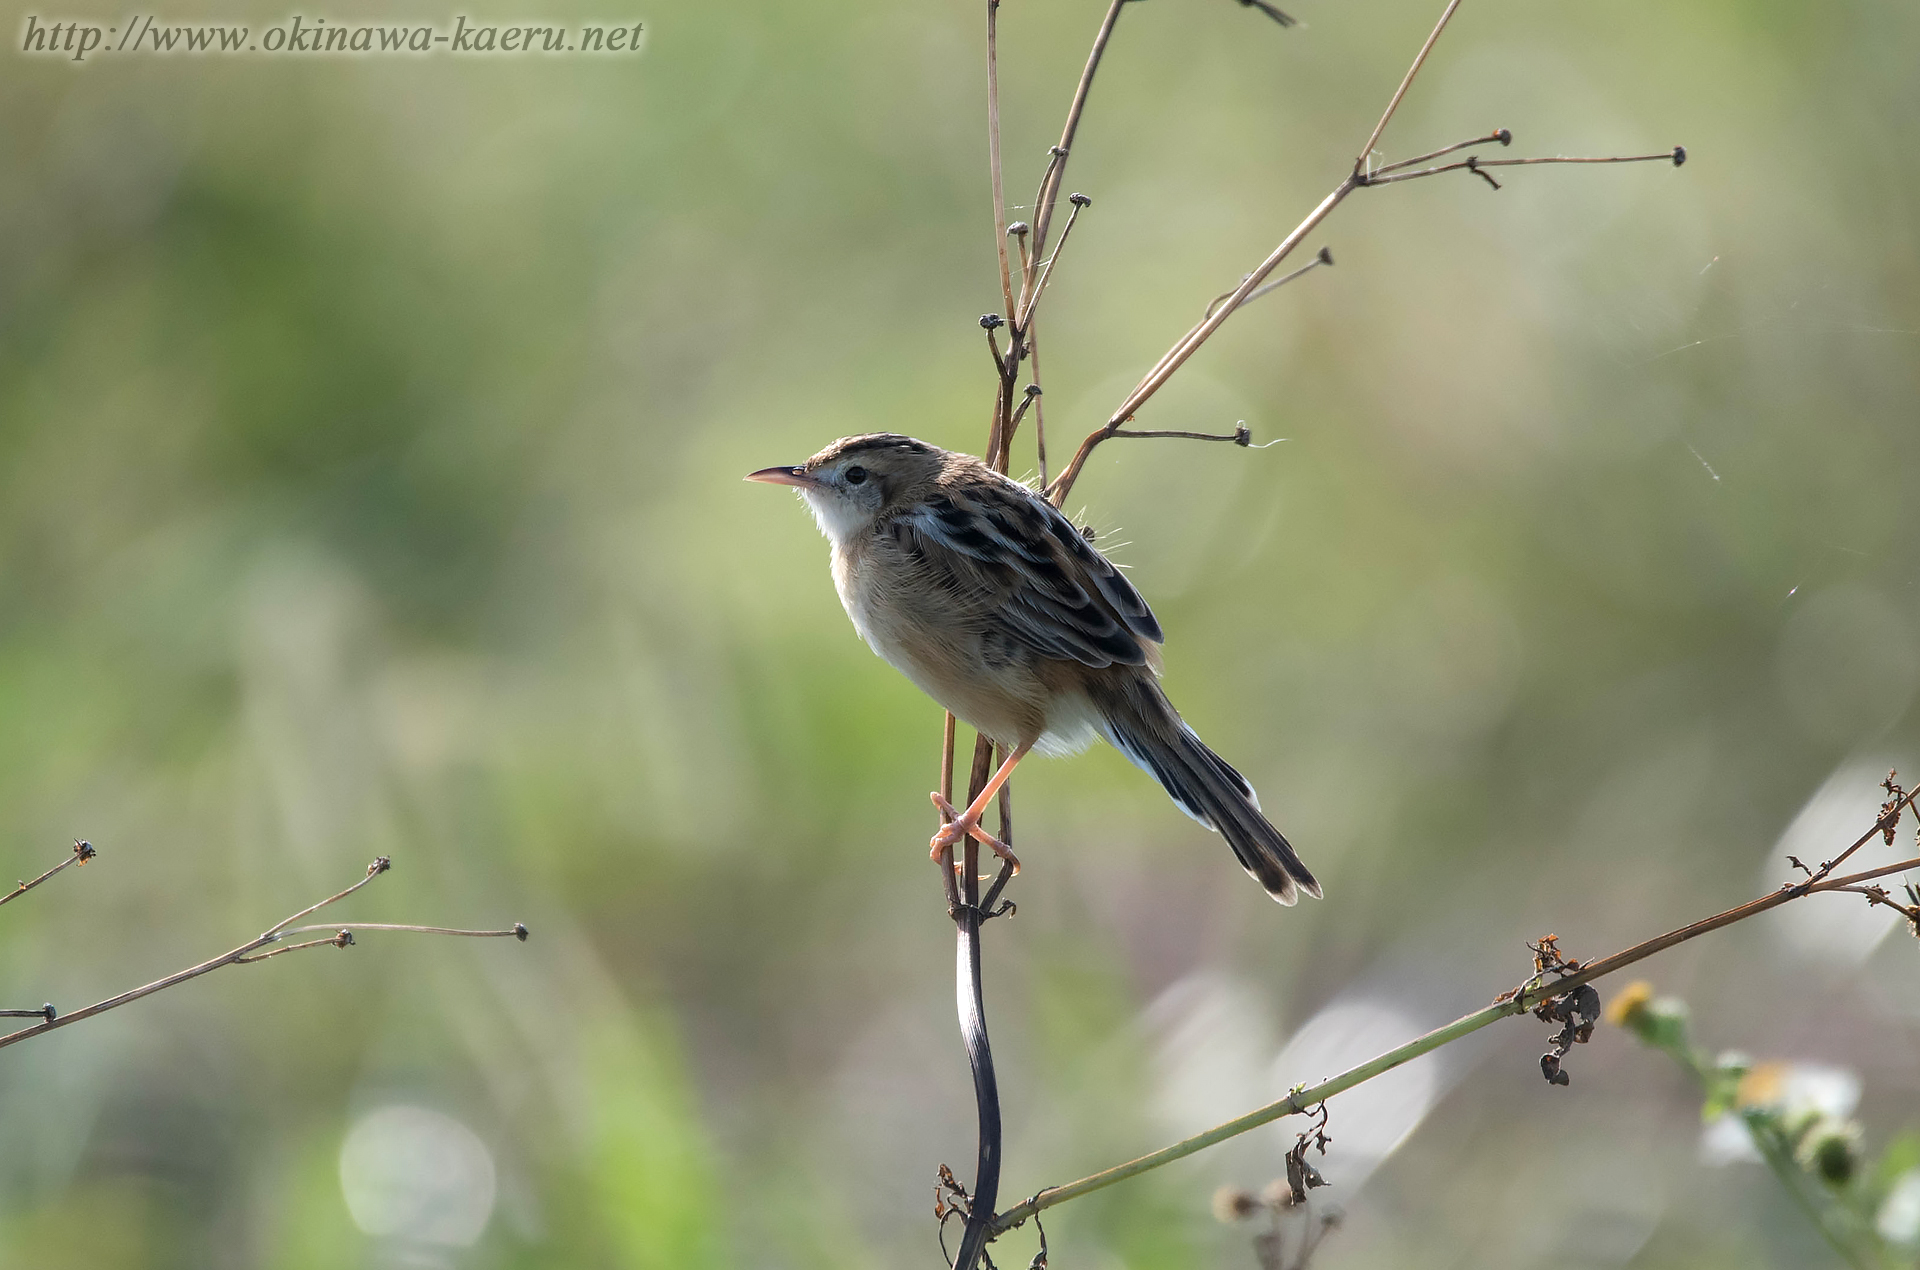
[1029,571]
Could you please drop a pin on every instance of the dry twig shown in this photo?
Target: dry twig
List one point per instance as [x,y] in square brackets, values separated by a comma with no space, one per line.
[1254,283]
[82,852]
[245,954]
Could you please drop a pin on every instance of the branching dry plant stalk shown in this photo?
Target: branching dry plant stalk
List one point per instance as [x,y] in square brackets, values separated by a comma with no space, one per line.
[1536,996]
[272,939]
[1558,990]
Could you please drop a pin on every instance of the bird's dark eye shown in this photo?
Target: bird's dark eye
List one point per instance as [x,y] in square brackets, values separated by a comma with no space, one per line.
[856,475]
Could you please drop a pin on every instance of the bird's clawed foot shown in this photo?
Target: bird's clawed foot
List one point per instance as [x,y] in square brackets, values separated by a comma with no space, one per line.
[961,825]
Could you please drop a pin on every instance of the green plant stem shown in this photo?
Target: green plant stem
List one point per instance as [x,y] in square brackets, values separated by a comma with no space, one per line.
[1778,1156]
[1523,1000]
[1293,1104]
[1793,1178]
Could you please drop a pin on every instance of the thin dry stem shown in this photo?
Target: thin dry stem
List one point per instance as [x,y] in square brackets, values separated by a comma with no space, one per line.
[1501,135]
[1044,202]
[1005,421]
[1031,395]
[82,852]
[1323,259]
[1475,164]
[1031,301]
[334,942]
[1278,15]
[947,873]
[946,757]
[1184,348]
[1253,284]
[1400,93]
[242,955]
[1039,408]
[1032,282]
[1177,355]
[993,151]
[516,931]
[993,346]
[1055,158]
[1885,826]
[1239,436]
[380,865]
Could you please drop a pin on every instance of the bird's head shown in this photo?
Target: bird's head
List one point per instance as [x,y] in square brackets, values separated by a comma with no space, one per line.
[852,482]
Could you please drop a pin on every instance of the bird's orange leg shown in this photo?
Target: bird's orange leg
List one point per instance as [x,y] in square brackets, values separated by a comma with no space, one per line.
[963,824]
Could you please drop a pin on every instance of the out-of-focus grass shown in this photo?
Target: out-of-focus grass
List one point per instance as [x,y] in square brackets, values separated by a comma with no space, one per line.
[370,435]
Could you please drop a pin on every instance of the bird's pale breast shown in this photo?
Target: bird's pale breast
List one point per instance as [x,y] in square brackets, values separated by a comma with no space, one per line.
[942,639]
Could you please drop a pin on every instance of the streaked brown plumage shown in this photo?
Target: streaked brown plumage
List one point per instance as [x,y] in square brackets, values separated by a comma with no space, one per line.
[987,597]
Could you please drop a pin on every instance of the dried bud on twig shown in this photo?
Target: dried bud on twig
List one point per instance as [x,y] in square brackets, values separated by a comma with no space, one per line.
[1890,810]
[1302,1176]
[949,1197]
[1577,1011]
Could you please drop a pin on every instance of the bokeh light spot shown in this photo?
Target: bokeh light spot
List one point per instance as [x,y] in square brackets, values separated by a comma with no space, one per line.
[414,1174]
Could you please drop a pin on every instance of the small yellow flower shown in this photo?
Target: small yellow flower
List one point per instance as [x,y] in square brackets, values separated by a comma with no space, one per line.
[1630,1006]
[1764,1086]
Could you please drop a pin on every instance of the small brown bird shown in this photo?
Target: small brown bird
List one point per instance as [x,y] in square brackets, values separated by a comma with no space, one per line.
[979,590]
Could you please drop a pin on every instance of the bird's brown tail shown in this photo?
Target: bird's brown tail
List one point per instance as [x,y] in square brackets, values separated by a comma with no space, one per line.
[1143,725]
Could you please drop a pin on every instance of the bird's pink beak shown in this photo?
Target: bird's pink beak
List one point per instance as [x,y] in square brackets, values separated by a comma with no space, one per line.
[795,476]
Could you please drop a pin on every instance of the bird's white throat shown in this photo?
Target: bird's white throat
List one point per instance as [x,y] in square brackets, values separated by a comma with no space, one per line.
[839,519]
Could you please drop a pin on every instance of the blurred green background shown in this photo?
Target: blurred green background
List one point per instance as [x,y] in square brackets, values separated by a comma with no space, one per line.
[370,443]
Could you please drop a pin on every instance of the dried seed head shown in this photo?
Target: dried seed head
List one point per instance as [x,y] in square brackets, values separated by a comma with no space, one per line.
[1231,1204]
